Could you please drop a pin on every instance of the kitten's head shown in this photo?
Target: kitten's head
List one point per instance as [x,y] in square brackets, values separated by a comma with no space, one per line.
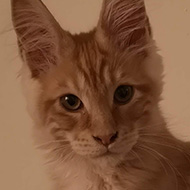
[94,91]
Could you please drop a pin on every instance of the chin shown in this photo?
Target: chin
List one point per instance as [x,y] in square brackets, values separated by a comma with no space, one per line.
[108,159]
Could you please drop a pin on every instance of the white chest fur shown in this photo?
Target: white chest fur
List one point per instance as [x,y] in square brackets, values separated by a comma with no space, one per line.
[78,175]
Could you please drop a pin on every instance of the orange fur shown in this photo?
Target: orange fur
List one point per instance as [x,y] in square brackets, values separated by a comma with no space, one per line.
[120,51]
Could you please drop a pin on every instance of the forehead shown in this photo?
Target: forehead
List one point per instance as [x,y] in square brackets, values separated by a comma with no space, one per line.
[92,65]
[91,70]
[100,67]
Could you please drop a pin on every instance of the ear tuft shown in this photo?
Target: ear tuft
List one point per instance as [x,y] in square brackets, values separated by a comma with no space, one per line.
[124,23]
[38,34]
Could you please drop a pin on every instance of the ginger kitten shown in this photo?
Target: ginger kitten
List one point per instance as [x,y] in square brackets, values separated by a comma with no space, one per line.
[94,99]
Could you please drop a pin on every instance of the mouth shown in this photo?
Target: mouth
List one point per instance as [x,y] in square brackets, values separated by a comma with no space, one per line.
[107,153]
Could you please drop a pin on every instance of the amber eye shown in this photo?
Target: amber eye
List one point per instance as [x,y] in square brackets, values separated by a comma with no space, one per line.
[123,94]
[71,102]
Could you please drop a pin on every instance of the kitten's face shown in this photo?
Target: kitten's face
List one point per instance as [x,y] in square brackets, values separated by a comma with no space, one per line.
[97,90]
[112,101]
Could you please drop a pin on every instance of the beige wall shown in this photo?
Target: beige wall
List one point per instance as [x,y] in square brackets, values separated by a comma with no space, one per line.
[19,164]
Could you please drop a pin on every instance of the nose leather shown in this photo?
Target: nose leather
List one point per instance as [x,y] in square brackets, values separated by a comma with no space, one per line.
[106,140]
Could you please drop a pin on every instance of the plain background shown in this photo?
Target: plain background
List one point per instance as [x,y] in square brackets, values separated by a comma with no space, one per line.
[20,166]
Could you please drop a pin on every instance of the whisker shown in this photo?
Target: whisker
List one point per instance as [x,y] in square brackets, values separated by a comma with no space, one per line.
[49,143]
[174,169]
[138,157]
[157,158]
[154,125]
[160,135]
[62,154]
[187,155]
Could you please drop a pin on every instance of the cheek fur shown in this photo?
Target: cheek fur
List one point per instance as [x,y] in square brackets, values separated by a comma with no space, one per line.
[136,109]
[63,120]
[67,122]
[83,144]
[139,109]
[125,142]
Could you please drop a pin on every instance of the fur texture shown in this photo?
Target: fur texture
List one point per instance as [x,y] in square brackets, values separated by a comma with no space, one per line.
[120,51]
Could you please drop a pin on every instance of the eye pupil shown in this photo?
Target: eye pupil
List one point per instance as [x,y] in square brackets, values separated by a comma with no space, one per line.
[123,94]
[71,102]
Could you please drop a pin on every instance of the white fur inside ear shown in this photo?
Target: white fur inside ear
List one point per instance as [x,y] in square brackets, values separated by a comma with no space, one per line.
[125,21]
[38,34]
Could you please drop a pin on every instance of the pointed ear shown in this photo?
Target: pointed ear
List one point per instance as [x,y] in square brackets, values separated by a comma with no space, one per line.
[39,35]
[124,24]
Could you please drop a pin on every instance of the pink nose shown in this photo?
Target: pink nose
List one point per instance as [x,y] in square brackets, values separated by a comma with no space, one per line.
[106,140]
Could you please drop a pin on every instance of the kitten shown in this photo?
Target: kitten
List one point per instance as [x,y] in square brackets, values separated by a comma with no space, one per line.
[94,99]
